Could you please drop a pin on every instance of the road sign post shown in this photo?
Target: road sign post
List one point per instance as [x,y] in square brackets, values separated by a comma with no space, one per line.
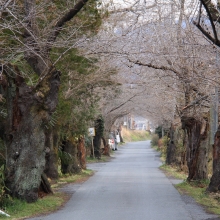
[92,134]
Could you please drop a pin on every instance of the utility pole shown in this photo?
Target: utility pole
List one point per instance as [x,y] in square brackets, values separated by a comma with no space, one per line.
[214,106]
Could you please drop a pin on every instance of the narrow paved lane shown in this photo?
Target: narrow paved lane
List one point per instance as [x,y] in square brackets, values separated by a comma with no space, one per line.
[130,187]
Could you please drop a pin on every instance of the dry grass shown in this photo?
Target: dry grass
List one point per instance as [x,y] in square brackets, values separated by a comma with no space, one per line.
[135,135]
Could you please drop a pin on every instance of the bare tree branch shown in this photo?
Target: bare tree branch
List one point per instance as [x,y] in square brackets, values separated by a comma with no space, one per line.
[131,9]
[195,102]
[2,8]
[122,104]
[156,67]
[63,20]
[212,17]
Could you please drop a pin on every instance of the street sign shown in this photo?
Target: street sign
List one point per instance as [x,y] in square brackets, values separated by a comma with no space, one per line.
[92,132]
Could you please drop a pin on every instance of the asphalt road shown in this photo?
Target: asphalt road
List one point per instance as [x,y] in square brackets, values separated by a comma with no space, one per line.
[129,187]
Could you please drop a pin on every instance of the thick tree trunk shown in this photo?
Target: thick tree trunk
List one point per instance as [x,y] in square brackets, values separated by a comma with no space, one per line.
[99,132]
[25,158]
[214,184]
[202,165]
[81,153]
[178,152]
[51,145]
[69,160]
[29,110]
[197,133]
[97,146]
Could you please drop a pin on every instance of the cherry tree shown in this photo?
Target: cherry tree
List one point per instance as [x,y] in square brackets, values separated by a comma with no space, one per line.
[159,42]
[35,36]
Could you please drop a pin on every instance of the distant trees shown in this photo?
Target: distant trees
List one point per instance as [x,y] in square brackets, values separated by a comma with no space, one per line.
[163,54]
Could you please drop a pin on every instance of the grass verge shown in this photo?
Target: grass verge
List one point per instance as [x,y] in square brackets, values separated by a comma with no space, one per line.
[171,171]
[96,160]
[198,192]
[18,209]
[195,189]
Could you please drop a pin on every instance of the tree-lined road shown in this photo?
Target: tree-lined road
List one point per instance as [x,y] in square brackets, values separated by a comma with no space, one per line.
[130,187]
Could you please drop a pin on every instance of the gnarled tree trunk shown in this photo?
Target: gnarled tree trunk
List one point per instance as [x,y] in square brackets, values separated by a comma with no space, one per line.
[69,160]
[29,110]
[30,107]
[197,133]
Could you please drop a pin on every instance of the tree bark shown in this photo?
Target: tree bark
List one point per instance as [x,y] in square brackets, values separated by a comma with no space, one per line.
[29,110]
[51,146]
[183,153]
[45,187]
[214,184]
[97,146]
[197,133]
[81,153]
[69,160]
[99,132]
[2,146]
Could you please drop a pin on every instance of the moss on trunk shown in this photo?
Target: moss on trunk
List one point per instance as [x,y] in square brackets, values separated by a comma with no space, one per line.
[68,156]
[28,114]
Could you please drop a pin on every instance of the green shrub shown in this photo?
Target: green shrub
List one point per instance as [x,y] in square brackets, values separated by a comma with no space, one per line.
[2,186]
[165,141]
[158,131]
[154,139]
[3,196]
